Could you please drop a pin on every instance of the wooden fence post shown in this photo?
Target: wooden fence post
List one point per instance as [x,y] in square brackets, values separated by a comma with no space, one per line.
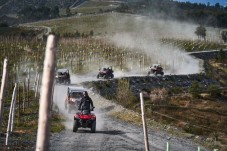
[2,92]
[167,146]
[14,107]
[28,87]
[144,123]
[24,94]
[10,122]
[36,77]
[42,143]
[37,86]
[18,98]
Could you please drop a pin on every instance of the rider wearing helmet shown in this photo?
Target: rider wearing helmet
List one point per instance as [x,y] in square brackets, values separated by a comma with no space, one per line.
[86,102]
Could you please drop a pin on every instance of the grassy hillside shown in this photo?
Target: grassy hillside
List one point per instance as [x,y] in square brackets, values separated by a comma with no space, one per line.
[112,23]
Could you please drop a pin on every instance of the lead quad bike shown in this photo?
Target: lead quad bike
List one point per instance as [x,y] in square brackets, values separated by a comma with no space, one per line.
[106,73]
[84,119]
[62,76]
[156,69]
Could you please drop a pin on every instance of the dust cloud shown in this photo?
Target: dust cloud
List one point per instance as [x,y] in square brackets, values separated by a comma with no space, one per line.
[143,34]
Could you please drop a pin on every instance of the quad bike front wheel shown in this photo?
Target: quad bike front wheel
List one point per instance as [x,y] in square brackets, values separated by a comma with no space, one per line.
[98,76]
[93,127]
[75,126]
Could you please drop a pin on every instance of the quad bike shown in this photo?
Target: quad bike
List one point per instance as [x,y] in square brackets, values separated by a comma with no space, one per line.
[73,98]
[156,69]
[105,73]
[63,76]
[84,119]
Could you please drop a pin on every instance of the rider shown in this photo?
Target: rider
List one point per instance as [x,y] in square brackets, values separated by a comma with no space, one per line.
[86,102]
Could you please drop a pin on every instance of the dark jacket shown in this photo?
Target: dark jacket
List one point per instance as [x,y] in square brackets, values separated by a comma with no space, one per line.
[86,103]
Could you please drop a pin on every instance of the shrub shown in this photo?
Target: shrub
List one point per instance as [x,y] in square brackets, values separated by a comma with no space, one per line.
[195,89]
[159,96]
[124,94]
[175,90]
[214,91]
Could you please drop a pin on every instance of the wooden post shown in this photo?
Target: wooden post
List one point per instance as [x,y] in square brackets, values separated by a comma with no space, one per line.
[28,82]
[18,98]
[2,92]
[144,123]
[42,143]
[36,77]
[14,106]
[37,86]
[167,146]
[24,94]
[11,114]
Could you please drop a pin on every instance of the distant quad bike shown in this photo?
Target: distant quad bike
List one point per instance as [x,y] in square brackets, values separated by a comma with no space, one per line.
[156,69]
[73,98]
[105,73]
[62,76]
[84,119]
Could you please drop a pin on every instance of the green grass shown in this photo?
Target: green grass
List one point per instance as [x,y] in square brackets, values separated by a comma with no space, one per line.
[100,24]
[90,7]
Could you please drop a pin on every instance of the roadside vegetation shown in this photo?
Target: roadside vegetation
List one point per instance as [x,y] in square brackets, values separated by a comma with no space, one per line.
[194,45]
[25,57]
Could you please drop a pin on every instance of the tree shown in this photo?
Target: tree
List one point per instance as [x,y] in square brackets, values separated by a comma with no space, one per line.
[68,11]
[195,89]
[201,32]
[123,7]
[55,12]
[77,34]
[217,5]
[4,24]
[221,56]
[224,36]
[91,33]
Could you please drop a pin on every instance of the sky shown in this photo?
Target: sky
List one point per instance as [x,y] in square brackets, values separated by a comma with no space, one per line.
[212,2]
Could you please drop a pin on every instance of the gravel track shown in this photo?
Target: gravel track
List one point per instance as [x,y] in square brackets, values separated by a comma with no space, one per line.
[111,134]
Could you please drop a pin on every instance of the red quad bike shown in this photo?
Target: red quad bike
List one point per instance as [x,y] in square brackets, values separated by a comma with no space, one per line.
[156,69]
[106,73]
[84,119]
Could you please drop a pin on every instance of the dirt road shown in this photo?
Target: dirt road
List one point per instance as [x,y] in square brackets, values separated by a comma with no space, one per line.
[112,134]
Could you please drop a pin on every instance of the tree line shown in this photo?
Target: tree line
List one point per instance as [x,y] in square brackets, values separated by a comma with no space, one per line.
[30,13]
[203,14]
